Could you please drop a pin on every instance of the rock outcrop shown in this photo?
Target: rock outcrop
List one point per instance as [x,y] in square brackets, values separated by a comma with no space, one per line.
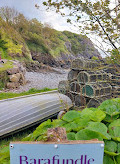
[16,76]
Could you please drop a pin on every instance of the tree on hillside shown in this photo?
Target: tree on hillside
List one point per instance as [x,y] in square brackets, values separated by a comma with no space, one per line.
[8,14]
[102,17]
[35,26]
[48,31]
[21,23]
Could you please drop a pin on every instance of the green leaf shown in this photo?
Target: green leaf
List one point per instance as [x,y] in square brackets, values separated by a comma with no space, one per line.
[86,134]
[86,113]
[118,147]
[107,160]
[70,126]
[111,153]
[41,129]
[111,148]
[97,116]
[58,123]
[114,130]
[99,128]
[118,159]
[81,124]
[92,109]
[71,116]
[110,107]
[109,118]
[116,100]
[71,136]
[28,138]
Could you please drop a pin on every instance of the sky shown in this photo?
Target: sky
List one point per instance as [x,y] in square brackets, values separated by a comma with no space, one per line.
[27,7]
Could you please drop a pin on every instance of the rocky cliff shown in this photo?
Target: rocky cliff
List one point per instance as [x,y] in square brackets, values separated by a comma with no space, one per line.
[28,40]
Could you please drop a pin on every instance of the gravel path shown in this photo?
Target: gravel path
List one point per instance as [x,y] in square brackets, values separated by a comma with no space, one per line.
[42,80]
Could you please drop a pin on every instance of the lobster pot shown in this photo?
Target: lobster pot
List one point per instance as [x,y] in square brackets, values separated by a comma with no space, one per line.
[96,90]
[95,102]
[115,83]
[80,101]
[71,96]
[72,75]
[82,64]
[111,70]
[114,79]
[63,87]
[116,90]
[92,76]
[75,87]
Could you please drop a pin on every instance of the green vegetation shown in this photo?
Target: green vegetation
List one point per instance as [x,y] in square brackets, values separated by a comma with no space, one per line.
[97,17]
[12,44]
[3,74]
[4,145]
[7,95]
[102,123]
[21,37]
[7,65]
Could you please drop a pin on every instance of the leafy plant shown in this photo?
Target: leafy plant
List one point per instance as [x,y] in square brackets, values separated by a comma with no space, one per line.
[87,134]
[71,116]
[71,136]
[85,125]
[110,107]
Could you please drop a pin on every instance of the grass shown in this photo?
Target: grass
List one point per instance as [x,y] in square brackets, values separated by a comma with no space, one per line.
[7,95]
[6,66]
[4,143]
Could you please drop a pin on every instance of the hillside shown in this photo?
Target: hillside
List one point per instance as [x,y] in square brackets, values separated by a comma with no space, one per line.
[12,45]
[25,39]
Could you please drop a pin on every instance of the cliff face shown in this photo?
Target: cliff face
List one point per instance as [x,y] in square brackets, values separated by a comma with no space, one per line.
[62,48]
[34,41]
[80,45]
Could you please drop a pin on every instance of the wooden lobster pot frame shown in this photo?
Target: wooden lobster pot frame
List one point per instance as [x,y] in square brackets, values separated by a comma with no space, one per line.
[80,101]
[75,87]
[63,87]
[96,90]
[95,102]
[92,76]
[71,96]
[116,91]
[110,69]
[82,64]
[72,75]
[114,80]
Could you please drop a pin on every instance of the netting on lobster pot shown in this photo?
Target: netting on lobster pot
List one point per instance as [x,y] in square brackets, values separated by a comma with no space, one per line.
[72,75]
[96,90]
[80,100]
[71,96]
[92,76]
[95,102]
[75,87]
[84,64]
[63,87]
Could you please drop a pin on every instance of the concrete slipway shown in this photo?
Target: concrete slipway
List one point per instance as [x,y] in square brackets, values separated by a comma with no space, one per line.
[19,113]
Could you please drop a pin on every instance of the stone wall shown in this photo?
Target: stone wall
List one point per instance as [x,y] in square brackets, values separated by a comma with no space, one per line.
[16,76]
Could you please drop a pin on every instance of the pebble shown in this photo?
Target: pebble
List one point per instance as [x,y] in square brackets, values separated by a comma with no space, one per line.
[42,80]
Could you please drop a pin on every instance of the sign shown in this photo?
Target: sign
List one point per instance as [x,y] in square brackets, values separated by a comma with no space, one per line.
[70,152]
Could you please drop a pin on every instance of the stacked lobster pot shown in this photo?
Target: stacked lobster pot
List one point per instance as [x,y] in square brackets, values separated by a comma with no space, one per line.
[114,79]
[88,85]
[115,83]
